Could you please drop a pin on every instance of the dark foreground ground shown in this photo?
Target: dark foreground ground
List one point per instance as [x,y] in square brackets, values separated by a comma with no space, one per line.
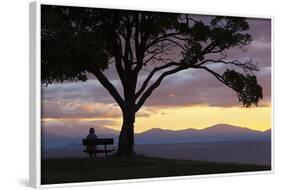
[240,152]
[69,170]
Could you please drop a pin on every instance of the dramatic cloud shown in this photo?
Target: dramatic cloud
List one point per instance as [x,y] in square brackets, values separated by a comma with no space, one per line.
[84,110]
[76,109]
[90,91]
[195,87]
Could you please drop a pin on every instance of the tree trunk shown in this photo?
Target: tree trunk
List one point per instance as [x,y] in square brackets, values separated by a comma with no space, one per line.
[126,137]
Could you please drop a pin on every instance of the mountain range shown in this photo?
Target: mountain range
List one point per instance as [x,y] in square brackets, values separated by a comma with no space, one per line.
[221,132]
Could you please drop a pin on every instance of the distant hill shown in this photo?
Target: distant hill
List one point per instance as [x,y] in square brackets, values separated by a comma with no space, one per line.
[52,140]
[54,137]
[77,131]
[219,132]
[267,134]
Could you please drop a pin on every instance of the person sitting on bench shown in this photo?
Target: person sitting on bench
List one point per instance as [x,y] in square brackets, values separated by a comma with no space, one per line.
[92,135]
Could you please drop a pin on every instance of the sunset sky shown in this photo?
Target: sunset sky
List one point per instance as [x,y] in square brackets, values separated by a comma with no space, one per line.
[189,99]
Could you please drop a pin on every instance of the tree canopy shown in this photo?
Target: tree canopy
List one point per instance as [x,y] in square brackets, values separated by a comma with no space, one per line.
[78,42]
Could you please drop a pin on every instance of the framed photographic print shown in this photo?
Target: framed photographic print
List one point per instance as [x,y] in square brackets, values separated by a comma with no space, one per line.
[120,94]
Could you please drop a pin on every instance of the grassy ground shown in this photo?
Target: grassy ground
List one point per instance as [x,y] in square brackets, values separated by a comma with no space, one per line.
[69,170]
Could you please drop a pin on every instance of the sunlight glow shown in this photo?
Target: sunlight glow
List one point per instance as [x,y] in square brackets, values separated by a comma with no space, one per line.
[258,118]
[197,117]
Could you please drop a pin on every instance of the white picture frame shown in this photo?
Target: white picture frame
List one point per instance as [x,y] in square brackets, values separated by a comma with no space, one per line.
[35,98]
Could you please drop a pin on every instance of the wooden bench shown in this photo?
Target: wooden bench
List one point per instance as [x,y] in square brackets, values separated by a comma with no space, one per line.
[96,142]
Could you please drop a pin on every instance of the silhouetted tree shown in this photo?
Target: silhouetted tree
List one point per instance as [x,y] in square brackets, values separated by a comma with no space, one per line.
[79,42]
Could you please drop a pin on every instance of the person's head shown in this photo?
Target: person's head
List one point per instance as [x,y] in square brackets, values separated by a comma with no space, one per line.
[92,130]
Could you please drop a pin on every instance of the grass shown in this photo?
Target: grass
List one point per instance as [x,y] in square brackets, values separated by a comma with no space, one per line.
[69,170]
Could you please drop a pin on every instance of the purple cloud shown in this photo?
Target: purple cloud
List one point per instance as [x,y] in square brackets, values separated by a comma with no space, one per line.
[191,87]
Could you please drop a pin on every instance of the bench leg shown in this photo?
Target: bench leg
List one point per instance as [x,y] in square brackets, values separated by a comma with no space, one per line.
[105,150]
[91,154]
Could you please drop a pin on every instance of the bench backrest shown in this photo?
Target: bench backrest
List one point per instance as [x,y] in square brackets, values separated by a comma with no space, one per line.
[105,141]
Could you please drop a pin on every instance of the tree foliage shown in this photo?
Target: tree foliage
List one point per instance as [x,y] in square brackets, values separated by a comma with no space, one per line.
[248,91]
[77,42]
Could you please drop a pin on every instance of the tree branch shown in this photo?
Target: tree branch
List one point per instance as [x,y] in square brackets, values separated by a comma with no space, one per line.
[172,41]
[108,85]
[145,83]
[118,57]
[246,66]
[218,76]
[148,92]
[155,41]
